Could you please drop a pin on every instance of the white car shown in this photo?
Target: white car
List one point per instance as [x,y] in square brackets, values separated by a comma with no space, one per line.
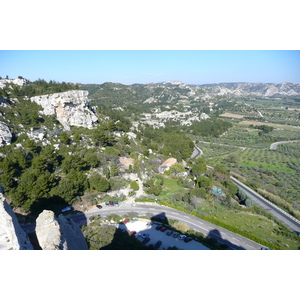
[182,237]
[144,235]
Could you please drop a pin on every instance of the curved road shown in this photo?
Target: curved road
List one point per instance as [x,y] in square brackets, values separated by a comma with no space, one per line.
[274,145]
[233,240]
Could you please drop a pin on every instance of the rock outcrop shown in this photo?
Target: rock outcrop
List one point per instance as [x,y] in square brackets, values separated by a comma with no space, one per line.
[12,236]
[5,135]
[17,81]
[58,233]
[70,108]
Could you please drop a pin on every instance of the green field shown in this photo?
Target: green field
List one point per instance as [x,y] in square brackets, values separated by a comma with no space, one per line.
[260,226]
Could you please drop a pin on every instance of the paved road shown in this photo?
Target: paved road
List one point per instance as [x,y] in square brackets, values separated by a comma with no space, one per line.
[286,219]
[197,152]
[274,145]
[234,241]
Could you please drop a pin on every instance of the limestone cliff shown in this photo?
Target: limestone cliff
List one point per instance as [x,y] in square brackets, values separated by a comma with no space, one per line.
[58,233]
[12,236]
[70,108]
[5,135]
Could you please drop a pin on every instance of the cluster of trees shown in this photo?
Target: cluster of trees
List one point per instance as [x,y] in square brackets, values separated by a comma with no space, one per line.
[154,185]
[168,141]
[211,127]
[34,88]
[33,173]
[263,128]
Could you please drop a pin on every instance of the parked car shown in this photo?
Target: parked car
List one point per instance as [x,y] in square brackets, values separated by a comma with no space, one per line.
[170,247]
[145,235]
[125,221]
[106,204]
[182,237]
[132,232]
[111,203]
[175,234]
[146,240]
[298,232]
[187,239]
[116,203]
[99,206]
[137,235]
[264,248]
[157,245]
[133,220]
[169,232]
[158,227]
[163,229]
[149,224]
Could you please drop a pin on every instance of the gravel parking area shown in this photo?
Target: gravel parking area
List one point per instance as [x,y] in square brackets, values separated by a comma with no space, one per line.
[141,226]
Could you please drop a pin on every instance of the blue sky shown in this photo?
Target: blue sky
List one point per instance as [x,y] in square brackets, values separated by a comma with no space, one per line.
[141,66]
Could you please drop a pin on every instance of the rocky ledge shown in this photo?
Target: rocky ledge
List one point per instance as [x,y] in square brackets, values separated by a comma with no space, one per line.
[70,108]
[5,135]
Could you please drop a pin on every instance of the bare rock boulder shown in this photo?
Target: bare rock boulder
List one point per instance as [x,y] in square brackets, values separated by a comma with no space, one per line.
[58,233]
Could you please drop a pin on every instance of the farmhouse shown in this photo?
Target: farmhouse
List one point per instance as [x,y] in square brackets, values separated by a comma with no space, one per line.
[165,166]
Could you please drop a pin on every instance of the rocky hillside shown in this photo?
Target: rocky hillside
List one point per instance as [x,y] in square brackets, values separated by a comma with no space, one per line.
[42,115]
[170,92]
[69,108]
[254,89]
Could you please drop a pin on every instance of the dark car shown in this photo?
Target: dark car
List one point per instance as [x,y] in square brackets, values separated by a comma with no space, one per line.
[106,204]
[169,232]
[264,248]
[187,239]
[158,227]
[175,234]
[116,203]
[157,245]
[99,206]
[111,203]
[163,229]
[146,240]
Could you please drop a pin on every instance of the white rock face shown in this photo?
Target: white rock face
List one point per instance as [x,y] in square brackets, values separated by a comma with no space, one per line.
[5,135]
[58,234]
[47,231]
[71,234]
[12,236]
[70,108]
[16,81]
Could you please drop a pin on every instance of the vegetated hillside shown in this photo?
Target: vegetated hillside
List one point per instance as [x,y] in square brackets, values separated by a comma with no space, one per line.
[82,167]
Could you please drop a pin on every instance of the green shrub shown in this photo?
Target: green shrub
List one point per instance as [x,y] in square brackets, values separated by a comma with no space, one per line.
[134,185]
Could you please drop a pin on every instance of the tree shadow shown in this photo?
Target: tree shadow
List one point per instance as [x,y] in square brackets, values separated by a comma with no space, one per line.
[125,237]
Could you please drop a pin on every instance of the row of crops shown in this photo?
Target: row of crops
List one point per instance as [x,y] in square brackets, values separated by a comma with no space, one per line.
[276,171]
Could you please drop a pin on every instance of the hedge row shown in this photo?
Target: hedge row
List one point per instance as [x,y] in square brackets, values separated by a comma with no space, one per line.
[145,200]
[226,226]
